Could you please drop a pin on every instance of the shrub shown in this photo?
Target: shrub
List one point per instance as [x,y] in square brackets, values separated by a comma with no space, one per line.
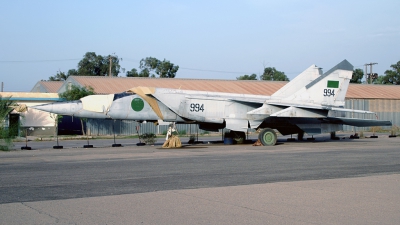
[6,133]
[394,130]
[376,129]
[149,138]
[5,140]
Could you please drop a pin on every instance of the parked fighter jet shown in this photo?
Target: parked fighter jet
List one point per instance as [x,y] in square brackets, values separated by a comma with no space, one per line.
[311,103]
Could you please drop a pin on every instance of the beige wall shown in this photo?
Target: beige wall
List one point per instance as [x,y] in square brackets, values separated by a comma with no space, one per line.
[41,123]
[36,118]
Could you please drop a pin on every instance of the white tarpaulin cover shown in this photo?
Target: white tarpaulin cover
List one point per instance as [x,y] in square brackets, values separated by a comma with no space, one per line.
[97,103]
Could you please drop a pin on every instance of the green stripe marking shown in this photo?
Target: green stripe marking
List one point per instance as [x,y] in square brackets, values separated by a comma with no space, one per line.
[333,84]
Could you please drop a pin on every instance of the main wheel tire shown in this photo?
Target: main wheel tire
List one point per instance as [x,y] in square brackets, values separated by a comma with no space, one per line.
[267,137]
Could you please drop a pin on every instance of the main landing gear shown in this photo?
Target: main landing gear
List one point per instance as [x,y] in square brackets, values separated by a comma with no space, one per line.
[267,137]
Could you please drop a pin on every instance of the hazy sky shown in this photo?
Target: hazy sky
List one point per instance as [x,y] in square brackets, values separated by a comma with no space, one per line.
[216,39]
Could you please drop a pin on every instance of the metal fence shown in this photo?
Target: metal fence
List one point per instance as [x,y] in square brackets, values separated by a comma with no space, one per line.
[384,109]
[100,127]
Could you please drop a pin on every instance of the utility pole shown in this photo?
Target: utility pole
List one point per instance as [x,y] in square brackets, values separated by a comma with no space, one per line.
[370,70]
[366,73]
[110,74]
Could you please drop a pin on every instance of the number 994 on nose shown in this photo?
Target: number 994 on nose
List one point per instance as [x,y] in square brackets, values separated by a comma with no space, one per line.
[196,107]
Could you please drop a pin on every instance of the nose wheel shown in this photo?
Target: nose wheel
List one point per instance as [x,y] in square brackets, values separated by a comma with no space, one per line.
[267,137]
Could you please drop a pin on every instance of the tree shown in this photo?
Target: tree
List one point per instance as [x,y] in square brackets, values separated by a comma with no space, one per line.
[358,75]
[392,76]
[379,80]
[6,106]
[97,65]
[145,73]
[270,73]
[134,73]
[247,77]
[76,93]
[61,76]
[72,72]
[164,69]
[91,65]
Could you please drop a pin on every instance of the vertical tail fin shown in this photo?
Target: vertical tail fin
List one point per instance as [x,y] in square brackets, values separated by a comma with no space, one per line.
[329,89]
[301,80]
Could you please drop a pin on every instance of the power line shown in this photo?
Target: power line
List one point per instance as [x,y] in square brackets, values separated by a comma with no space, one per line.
[126,59]
[214,71]
[38,61]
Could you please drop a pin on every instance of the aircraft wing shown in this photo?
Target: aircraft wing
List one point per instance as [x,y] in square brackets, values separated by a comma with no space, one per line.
[321,107]
[358,122]
[303,111]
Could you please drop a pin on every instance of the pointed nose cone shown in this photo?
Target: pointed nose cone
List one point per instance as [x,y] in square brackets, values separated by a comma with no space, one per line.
[62,108]
[74,108]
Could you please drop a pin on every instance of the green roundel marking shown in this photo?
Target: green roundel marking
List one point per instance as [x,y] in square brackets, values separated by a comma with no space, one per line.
[137,104]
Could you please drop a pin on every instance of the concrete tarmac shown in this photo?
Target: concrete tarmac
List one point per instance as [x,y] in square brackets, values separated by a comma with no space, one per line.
[363,200]
[372,199]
